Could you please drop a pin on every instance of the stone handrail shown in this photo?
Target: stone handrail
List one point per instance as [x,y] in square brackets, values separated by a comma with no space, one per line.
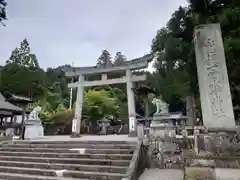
[133,166]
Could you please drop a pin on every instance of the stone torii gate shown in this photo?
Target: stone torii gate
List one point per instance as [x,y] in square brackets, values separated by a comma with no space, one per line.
[127,67]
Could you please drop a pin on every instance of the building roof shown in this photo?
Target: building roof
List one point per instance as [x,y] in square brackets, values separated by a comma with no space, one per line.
[16,98]
[6,106]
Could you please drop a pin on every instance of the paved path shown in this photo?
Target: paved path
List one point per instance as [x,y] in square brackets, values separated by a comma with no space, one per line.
[162,174]
[227,174]
[171,174]
[88,138]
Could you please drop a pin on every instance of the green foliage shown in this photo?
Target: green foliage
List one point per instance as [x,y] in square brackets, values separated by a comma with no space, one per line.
[3,15]
[105,59]
[21,80]
[119,59]
[23,57]
[172,78]
[98,104]
[121,101]
[61,117]
[22,75]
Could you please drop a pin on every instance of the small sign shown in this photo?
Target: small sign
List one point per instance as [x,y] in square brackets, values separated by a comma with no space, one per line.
[132,123]
[74,125]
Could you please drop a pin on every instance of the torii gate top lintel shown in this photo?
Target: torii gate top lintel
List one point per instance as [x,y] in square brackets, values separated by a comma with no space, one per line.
[138,63]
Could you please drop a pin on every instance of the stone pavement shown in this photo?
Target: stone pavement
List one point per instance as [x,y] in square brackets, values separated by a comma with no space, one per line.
[87,138]
[227,174]
[162,174]
[174,174]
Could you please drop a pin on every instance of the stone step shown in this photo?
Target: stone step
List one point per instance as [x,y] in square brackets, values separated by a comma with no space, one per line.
[77,160]
[68,155]
[73,167]
[14,176]
[65,173]
[67,150]
[67,160]
[71,142]
[94,146]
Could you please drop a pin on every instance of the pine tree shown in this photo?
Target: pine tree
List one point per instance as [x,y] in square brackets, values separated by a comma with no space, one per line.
[105,59]
[119,59]
[22,56]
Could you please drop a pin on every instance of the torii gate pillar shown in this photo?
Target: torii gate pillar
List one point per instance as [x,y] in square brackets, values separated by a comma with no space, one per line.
[131,104]
[76,124]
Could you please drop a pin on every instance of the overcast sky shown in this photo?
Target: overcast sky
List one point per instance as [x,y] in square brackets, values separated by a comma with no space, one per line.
[62,31]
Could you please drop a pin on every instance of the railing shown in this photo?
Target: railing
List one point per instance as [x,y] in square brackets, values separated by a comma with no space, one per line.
[17,129]
[133,166]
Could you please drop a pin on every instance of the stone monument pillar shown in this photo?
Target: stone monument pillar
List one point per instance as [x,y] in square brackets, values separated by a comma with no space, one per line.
[76,123]
[131,104]
[216,101]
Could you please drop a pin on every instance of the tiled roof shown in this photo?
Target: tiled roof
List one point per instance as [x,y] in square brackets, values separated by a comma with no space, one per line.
[4,105]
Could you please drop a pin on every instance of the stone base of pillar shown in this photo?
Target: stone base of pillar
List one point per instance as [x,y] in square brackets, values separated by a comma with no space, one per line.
[132,134]
[74,135]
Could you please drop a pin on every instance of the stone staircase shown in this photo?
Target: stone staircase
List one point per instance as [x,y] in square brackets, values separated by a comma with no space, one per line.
[70,160]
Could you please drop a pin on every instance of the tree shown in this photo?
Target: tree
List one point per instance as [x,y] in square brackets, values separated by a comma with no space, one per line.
[22,75]
[172,77]
[105,59]
[98,104]
[23,57]
[176,65]
[121,100]
[56,81]
[119,59]
[22,81]
[3,15]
